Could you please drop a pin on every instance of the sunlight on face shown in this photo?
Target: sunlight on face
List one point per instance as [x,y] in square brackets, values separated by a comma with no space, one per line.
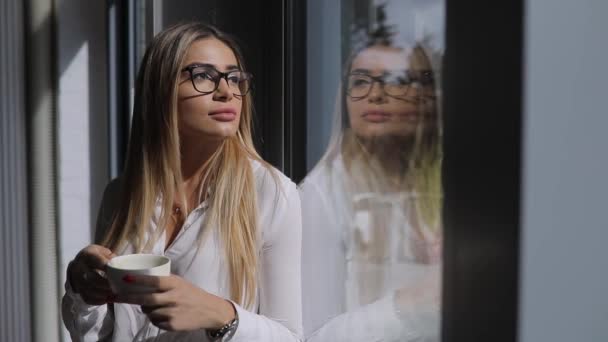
[213,116]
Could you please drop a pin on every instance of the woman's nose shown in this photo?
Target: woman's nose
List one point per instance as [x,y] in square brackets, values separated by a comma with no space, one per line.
[376,93]
[223,91]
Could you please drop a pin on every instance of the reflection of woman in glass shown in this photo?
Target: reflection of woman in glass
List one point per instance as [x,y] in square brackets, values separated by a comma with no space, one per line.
[194,189]
[371,207]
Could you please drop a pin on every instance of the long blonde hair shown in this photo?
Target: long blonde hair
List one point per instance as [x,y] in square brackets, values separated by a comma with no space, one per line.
[152,170]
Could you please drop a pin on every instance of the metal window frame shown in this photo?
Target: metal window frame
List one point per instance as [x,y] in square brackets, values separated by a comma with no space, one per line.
[121,24]
[482,87]
[295,78]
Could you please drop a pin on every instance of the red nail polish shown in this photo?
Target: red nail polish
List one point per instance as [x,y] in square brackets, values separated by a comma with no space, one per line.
[128,278]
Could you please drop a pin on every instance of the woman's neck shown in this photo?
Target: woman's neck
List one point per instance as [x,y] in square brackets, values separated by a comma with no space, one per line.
[194,155]
[391,154]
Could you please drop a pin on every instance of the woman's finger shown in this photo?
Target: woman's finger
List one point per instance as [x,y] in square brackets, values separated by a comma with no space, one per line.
[158,283]
[97,298]
[148,309]
[163,324]
[144,299]
[96,291]
[103,251]
[95,260]
[162,318]
[93,279]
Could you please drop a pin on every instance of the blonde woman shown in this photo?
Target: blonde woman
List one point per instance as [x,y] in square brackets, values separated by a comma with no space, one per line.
[371,207]
[195,190]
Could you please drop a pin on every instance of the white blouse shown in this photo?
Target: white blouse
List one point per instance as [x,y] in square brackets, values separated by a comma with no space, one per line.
[276,316]
[349,298]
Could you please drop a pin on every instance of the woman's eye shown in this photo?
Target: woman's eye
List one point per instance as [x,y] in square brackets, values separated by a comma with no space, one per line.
[360,82]
[202,76]
[234,79]
[427,78]
[402,81]
[423,78]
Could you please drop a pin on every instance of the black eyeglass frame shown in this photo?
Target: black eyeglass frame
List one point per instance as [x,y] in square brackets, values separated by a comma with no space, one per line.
[221,76]
[426,79]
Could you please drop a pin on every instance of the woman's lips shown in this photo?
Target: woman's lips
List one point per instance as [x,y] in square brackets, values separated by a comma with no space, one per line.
[223,114]
[376,116]
[379,116]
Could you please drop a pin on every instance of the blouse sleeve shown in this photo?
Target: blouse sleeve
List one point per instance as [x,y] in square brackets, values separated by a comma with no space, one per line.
[90,322]
[85,322]
[280,309]
[323,275]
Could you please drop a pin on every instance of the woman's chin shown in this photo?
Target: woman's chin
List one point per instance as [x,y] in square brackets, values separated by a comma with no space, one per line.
[222,130]
[217,136]
[210,135]
[385,134]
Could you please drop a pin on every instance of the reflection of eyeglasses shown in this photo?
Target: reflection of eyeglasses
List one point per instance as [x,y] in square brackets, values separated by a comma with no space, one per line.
[359,85]
[206,79]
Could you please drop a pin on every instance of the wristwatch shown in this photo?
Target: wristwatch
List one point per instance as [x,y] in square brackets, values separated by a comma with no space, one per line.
[226,332]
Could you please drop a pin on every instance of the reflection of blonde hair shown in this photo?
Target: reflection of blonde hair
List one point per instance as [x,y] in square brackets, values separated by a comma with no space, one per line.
[153,171]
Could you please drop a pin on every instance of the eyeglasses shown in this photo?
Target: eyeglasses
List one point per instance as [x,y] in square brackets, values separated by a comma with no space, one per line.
[206,79]
[395,84]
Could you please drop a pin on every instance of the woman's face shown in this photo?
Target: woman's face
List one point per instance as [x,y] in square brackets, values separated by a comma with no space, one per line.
[394,107]
[215,115]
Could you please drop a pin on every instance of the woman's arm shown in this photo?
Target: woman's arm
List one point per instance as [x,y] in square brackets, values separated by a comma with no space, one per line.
[280,311]
[83,321]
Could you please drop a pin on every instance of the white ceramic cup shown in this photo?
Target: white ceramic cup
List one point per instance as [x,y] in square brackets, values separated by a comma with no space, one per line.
[135,264]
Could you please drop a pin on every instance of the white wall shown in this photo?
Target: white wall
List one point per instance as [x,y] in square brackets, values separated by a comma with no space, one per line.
[82,122]
[565,228]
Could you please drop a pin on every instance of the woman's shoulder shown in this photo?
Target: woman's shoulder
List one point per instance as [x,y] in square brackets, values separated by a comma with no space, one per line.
[270,181]
[112,190]
[277,196]
[111,195]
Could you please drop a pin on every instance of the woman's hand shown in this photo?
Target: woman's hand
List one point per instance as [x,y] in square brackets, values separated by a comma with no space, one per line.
[175,304]
[85,275]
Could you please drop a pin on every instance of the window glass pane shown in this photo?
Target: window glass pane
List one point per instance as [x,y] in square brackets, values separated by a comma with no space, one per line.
[372,199]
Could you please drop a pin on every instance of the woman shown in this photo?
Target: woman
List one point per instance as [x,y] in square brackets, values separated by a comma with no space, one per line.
[371,207]
[193,189]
